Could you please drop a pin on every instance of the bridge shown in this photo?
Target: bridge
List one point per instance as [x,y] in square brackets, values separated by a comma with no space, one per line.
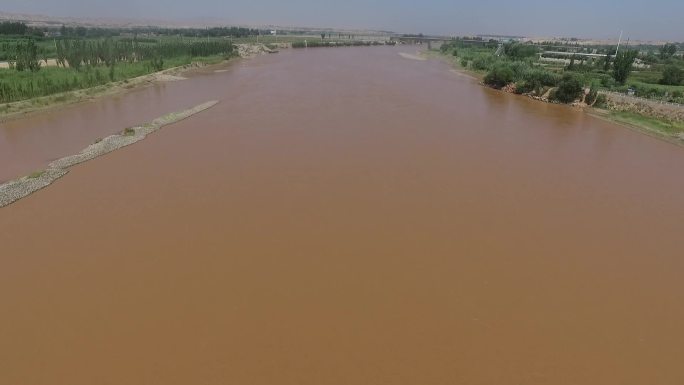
[435,41]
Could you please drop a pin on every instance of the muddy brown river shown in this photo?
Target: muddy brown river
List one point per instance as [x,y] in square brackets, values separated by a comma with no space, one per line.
[343,216]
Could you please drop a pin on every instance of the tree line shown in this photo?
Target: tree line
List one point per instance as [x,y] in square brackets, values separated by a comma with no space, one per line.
[77,53]
[94,32]
[88,63]
[17,28]
[516,65]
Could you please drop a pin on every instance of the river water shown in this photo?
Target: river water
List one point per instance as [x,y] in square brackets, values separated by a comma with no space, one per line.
[343,216]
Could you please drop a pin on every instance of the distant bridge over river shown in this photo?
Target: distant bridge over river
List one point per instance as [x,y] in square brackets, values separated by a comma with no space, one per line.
[436,41]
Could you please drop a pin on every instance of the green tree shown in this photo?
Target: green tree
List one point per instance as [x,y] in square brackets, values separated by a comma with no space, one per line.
[27,56]
[44,55]
[592,95]
[672,75]
[500,76]
[622,66]
[61,58]
[569,89]
[13,28]
[667,51]
[157,63]
[520,51]
[650,58]
[74,53]
[20,63]
[606,63]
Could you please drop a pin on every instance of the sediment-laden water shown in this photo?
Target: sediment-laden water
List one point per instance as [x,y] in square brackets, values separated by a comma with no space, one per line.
[342,216]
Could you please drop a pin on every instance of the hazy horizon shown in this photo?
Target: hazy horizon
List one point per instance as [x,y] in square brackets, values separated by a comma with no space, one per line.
[659,20]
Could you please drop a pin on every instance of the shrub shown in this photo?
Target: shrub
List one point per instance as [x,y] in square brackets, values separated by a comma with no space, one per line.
[607,81]
[499,76]
[668,50]
[157,63]
[526,87]
[648,91]
[672,75]
[519,51]
[36,174]
[540,76]
[592,95]
[484,62]
[519,68]
[569,89]
[601,101]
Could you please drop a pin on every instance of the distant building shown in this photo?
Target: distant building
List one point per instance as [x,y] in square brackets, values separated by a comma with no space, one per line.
[501,38]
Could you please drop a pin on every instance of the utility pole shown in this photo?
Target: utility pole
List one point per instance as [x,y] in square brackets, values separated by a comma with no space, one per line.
[618,46]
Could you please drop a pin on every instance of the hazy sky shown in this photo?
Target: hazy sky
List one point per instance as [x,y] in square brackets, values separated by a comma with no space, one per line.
[654,19]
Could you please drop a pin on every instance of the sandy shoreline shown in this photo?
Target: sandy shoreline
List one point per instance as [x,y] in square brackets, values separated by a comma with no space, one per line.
[14,190]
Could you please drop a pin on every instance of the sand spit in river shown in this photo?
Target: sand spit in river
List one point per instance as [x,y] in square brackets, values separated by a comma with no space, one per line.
[410,56]
[14,190]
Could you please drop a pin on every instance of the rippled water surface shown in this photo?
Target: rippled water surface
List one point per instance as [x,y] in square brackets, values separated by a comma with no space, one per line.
[343,216]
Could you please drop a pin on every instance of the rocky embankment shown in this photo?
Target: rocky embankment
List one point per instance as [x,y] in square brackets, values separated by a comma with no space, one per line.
[251,50]
[17,189]
[615,102]
[653,108]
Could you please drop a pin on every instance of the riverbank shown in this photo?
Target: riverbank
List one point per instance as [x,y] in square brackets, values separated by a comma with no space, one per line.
[22,108]
[12,191]
[670,131]
[454,62]
[666,127]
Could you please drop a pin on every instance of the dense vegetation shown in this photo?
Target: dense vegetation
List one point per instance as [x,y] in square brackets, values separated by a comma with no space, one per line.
[65,31]
[622,65]
[570,88]
[83,63]
[673,76]
[500,76]
[649,71]
[14,28]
